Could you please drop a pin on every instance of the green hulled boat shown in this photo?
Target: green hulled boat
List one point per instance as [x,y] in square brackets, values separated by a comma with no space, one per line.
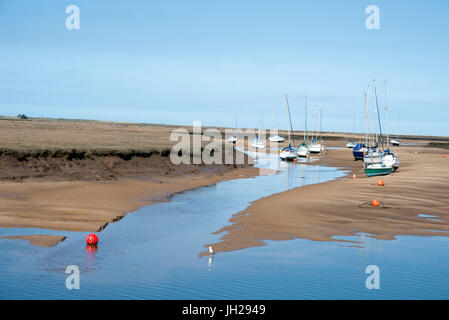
[377,169]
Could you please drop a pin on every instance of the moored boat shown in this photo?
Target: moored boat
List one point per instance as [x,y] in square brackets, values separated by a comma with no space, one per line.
[359,151]
[392,159]
[288,154]
[303,151]
[277,139]
[395,142]
[258,144]
[232,139]
[377,169]
[350,145]
[315,147]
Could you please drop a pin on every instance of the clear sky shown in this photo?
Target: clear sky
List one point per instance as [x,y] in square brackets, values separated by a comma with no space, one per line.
[179,61]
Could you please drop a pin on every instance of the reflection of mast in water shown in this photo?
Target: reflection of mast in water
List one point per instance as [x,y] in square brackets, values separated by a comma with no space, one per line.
[209,263]
[303,175]
[369,253]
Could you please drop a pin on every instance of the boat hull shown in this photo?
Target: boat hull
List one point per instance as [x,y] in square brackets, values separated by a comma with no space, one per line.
[288,154]
[371,172]
[359,151]
[232,139]
[258,145]
[315,148]
[395,142]
[278,139]
[288,157]
[350,145]
[303,154]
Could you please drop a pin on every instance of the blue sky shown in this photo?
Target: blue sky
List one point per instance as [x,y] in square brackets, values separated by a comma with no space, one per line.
[179,61]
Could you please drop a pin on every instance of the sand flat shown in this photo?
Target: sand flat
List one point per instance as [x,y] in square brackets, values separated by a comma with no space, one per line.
[91,205]
[41,240]
[323,211]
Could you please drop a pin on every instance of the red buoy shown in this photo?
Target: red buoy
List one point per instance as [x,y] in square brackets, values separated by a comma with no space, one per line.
[380,183]
[375,203]
[92,239]
[444,156]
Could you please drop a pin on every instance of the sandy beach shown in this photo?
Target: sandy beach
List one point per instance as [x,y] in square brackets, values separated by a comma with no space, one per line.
[322,212]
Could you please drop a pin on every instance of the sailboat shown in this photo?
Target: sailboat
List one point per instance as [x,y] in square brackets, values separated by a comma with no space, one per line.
[372,166]
[257,142]
[395,142]
[377,169]
[288,153]
[351,144]
[361,149]
[276,138]
[389,157]
[303,148]
[315,146]
[233,138]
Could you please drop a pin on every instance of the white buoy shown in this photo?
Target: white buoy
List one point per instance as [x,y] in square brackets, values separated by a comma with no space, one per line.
[211,251]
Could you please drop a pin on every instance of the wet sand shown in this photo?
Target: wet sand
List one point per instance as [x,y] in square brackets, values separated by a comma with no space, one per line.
[324,211]
[42,240]
[90,205]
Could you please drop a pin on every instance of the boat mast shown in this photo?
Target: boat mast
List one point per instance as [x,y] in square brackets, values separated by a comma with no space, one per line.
[367,119]
[353,128]
[321,127]
[386,116]
[235,128]
[378,115]
[290,123]
[305,121]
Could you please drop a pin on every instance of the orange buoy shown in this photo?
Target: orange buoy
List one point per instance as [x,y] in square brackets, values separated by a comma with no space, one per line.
[380,183]
[375,203]
[444,156]
[294,160]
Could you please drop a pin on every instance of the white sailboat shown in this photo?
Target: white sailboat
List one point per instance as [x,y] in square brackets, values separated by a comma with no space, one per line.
[276,138]
[351,144]
[315,146]
[389,158]
[303,149]
[257,142]
[395,142]
[233,138]
[288,153]
[374,167]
